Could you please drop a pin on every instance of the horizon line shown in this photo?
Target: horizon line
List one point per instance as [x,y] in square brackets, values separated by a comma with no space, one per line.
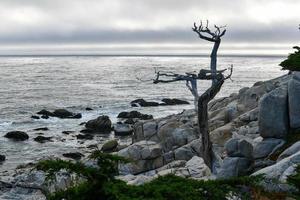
[141,55]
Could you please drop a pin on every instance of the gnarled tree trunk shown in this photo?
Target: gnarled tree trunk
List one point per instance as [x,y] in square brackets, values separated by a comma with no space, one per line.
[204,99]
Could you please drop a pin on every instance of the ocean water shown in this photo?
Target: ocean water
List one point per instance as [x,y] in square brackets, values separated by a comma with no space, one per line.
[106,84]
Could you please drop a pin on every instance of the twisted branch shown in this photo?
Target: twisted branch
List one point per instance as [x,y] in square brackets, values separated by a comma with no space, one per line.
[211,36]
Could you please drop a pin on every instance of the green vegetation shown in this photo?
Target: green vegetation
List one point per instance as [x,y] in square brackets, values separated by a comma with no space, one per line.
[292,63]
[295,181]
[99,183]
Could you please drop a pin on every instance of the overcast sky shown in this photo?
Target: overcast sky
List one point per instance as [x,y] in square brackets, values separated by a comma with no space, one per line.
[121,24]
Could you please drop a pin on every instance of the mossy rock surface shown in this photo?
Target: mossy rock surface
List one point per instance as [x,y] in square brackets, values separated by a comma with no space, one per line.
[109,146]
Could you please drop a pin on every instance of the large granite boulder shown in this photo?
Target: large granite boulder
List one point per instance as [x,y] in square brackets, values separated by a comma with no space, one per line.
[17,135]
[294,100]
[102,124]
[267,147]
[290,151]
[279,169]
[123,129]
[145,156]
[235,166]
[239,148]
[249,97]
[273,115]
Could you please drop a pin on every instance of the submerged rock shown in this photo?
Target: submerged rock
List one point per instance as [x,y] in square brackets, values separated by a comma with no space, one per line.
[67,132]
[41,129]
[60,113]
[143,103]
[35,117]
[17,135]
[2,158]
[73,155]
[170,102]
[84,136]
[42,139]
[45,113]
[134,114]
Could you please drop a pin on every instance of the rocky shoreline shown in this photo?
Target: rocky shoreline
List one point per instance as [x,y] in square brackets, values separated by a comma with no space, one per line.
[248,129]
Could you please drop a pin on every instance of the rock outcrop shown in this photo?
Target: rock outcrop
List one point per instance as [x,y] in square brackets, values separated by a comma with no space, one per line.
[101,124]
[294,100]
[17,135]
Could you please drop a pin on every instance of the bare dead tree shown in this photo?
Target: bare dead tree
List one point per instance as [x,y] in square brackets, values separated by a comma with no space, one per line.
[205,33]
[216,76]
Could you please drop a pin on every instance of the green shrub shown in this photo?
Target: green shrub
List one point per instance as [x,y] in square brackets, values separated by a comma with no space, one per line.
[99,183]
[292,62]
[295,181]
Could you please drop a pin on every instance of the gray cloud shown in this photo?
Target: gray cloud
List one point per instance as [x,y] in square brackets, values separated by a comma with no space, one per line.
[147,21]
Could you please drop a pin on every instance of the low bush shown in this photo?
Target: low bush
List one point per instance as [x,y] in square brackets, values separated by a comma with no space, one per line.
[99,184]
[292,63]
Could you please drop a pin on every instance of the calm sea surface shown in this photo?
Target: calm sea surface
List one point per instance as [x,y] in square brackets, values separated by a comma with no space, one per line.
[106,84]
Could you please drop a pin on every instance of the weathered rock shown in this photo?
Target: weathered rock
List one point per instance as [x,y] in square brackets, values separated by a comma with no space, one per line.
[2,158]
[290,151]
[220,135]
[123,129]
[73,155]
[197,168]
[102,124]
[146,155]
[88,109]
[267,147]
[239,148]
[143,103]
[249,97]
[168,101]
[294,100]
[235,166]
[17,135]
[42,139]
[273,115]
[149,129]
[183,153]
[278,170]
[109,146]
[171,135]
